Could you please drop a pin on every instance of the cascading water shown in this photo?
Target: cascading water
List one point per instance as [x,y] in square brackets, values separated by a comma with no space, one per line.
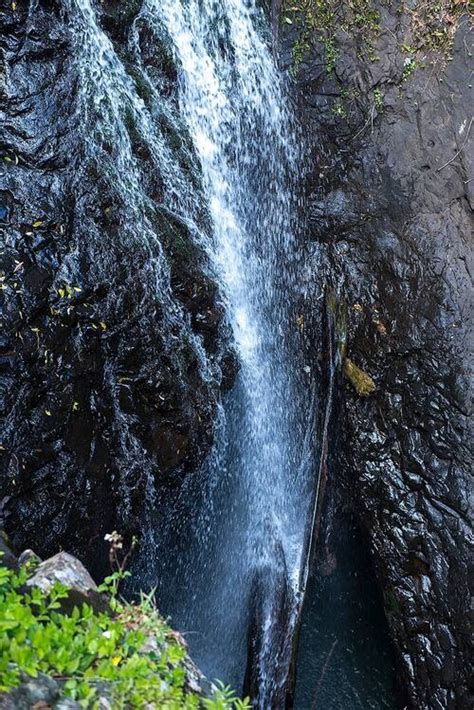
[227,552]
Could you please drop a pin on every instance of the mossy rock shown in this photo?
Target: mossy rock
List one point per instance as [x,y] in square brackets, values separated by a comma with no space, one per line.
[360,380]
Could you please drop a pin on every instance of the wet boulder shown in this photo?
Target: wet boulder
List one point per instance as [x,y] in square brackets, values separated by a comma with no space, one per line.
[41,692]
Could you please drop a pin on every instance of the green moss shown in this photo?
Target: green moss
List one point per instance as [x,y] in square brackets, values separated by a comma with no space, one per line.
[88,652]
[360,380]
[409,68]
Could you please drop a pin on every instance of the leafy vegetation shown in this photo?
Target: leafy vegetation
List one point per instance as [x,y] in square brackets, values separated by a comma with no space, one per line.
[129,656]
[431,26]
[322,19]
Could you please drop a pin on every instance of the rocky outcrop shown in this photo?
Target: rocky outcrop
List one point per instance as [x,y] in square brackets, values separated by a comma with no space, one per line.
[113,346]
[390,228]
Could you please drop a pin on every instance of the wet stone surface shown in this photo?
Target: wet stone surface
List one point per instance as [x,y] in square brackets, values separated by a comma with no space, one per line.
[113,344]
[390,229]
[102,372]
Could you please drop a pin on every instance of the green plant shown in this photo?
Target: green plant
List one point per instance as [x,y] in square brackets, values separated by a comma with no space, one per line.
[313,18]
[339,109]
[409,67]
[378,99]
[323,19]
[131,656]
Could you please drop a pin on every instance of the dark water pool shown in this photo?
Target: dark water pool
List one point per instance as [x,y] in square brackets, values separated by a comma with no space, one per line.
[345,659]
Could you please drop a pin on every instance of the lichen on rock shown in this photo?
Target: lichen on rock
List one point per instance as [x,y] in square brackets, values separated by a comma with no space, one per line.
[360,380]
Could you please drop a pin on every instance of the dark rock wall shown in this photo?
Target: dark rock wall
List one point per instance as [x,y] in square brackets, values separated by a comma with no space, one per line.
[102,387]
[111,345]
[390,229]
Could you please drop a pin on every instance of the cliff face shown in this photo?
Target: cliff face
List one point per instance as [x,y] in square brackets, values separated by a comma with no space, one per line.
[114,350]
[113,337]
[390,229]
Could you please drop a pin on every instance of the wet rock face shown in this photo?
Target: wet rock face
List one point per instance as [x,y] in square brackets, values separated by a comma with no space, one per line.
[390,224]
[112,344]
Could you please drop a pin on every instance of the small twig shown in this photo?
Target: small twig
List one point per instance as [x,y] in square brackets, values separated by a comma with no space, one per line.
[323,673]
[460,149]
[361,130]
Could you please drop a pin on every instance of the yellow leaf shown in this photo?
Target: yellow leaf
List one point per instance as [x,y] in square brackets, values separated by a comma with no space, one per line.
[75,406]
[61,292]
[103,325]
[116,660]
[48,413]
[38,223]
[13,6]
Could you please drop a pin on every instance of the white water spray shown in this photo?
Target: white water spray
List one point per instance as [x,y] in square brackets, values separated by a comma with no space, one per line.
[232,105]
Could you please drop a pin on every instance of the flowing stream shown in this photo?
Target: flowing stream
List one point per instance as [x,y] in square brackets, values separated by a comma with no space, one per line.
[227,554]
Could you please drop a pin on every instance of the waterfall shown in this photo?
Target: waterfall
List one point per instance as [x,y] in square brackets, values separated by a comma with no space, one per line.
[226,550]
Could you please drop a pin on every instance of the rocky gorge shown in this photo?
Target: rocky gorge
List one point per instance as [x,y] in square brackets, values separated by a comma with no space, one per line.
[113,366]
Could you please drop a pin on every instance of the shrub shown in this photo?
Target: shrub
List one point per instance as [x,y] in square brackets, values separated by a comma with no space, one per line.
[131,656]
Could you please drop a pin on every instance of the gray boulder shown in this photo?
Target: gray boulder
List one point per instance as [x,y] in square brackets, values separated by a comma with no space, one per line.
[70,572]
